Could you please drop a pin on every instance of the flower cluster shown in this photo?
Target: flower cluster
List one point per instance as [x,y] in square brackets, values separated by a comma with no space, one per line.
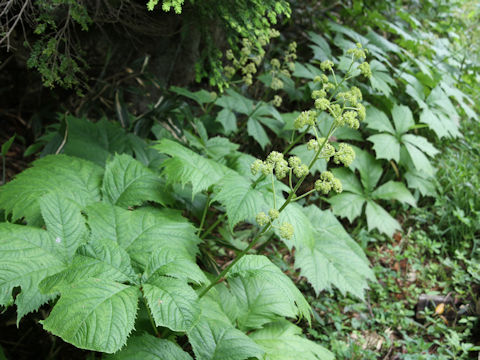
[305,118]
[328,182]
[275,162]
[345,155]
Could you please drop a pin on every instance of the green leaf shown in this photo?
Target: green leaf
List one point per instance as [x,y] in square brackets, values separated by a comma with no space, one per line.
[95,142]
[393,190]
[419,181]
[73,178]
[347,205]
[236,102]
[420,161]
[142,230]
[227,118]
[256,130]
[327,226]
[402,118]
[64,221]
[378,218]
[27,255]
[101,259]
[442,124]
[381,79]
[378,120]
[269,285]
[241,201]
[282,340]
[172,302]
[127,182]
[334,259]
[168,262]
[6,146]
[148,347]
[200,97]
[186,166]
[349,181]
[95,314]
[370,169]
[386,146]
[326,264]
[421,143]
[212,340]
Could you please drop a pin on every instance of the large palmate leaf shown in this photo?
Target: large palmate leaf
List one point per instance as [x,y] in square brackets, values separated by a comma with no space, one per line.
[95,141]
[214,340]
[282,340]
[172,302]
[241,201]
[148,347]
[95,314]
[127,182]
[350,203]
[390,144]
[186,166]
[73,178]
[334,259]
[64,222]
[142,230]
[262,290]
[100,259]
[258,115]
[27,255]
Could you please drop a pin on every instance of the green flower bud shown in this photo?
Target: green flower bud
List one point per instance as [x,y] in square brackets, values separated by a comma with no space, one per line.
[318,94]
[365,69]
[312,145]
[326,65]
[294,161]
[277,101]
[275,63]
[323,186]
[281,169]
[286,231]
[361,112]
[301,170]
[337,185]
[262,219]
[276,84]
[274,214]
[344,155]
[229,55]
[322,104]
[267,168]
[256,167]
[274,157]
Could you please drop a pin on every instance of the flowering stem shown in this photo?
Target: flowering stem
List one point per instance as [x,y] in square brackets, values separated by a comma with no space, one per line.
[225,271]
[267,227]
[304,195]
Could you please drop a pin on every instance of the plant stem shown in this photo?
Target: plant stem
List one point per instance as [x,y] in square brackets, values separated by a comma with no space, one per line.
[152,321]
[202,222]
[213,226]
